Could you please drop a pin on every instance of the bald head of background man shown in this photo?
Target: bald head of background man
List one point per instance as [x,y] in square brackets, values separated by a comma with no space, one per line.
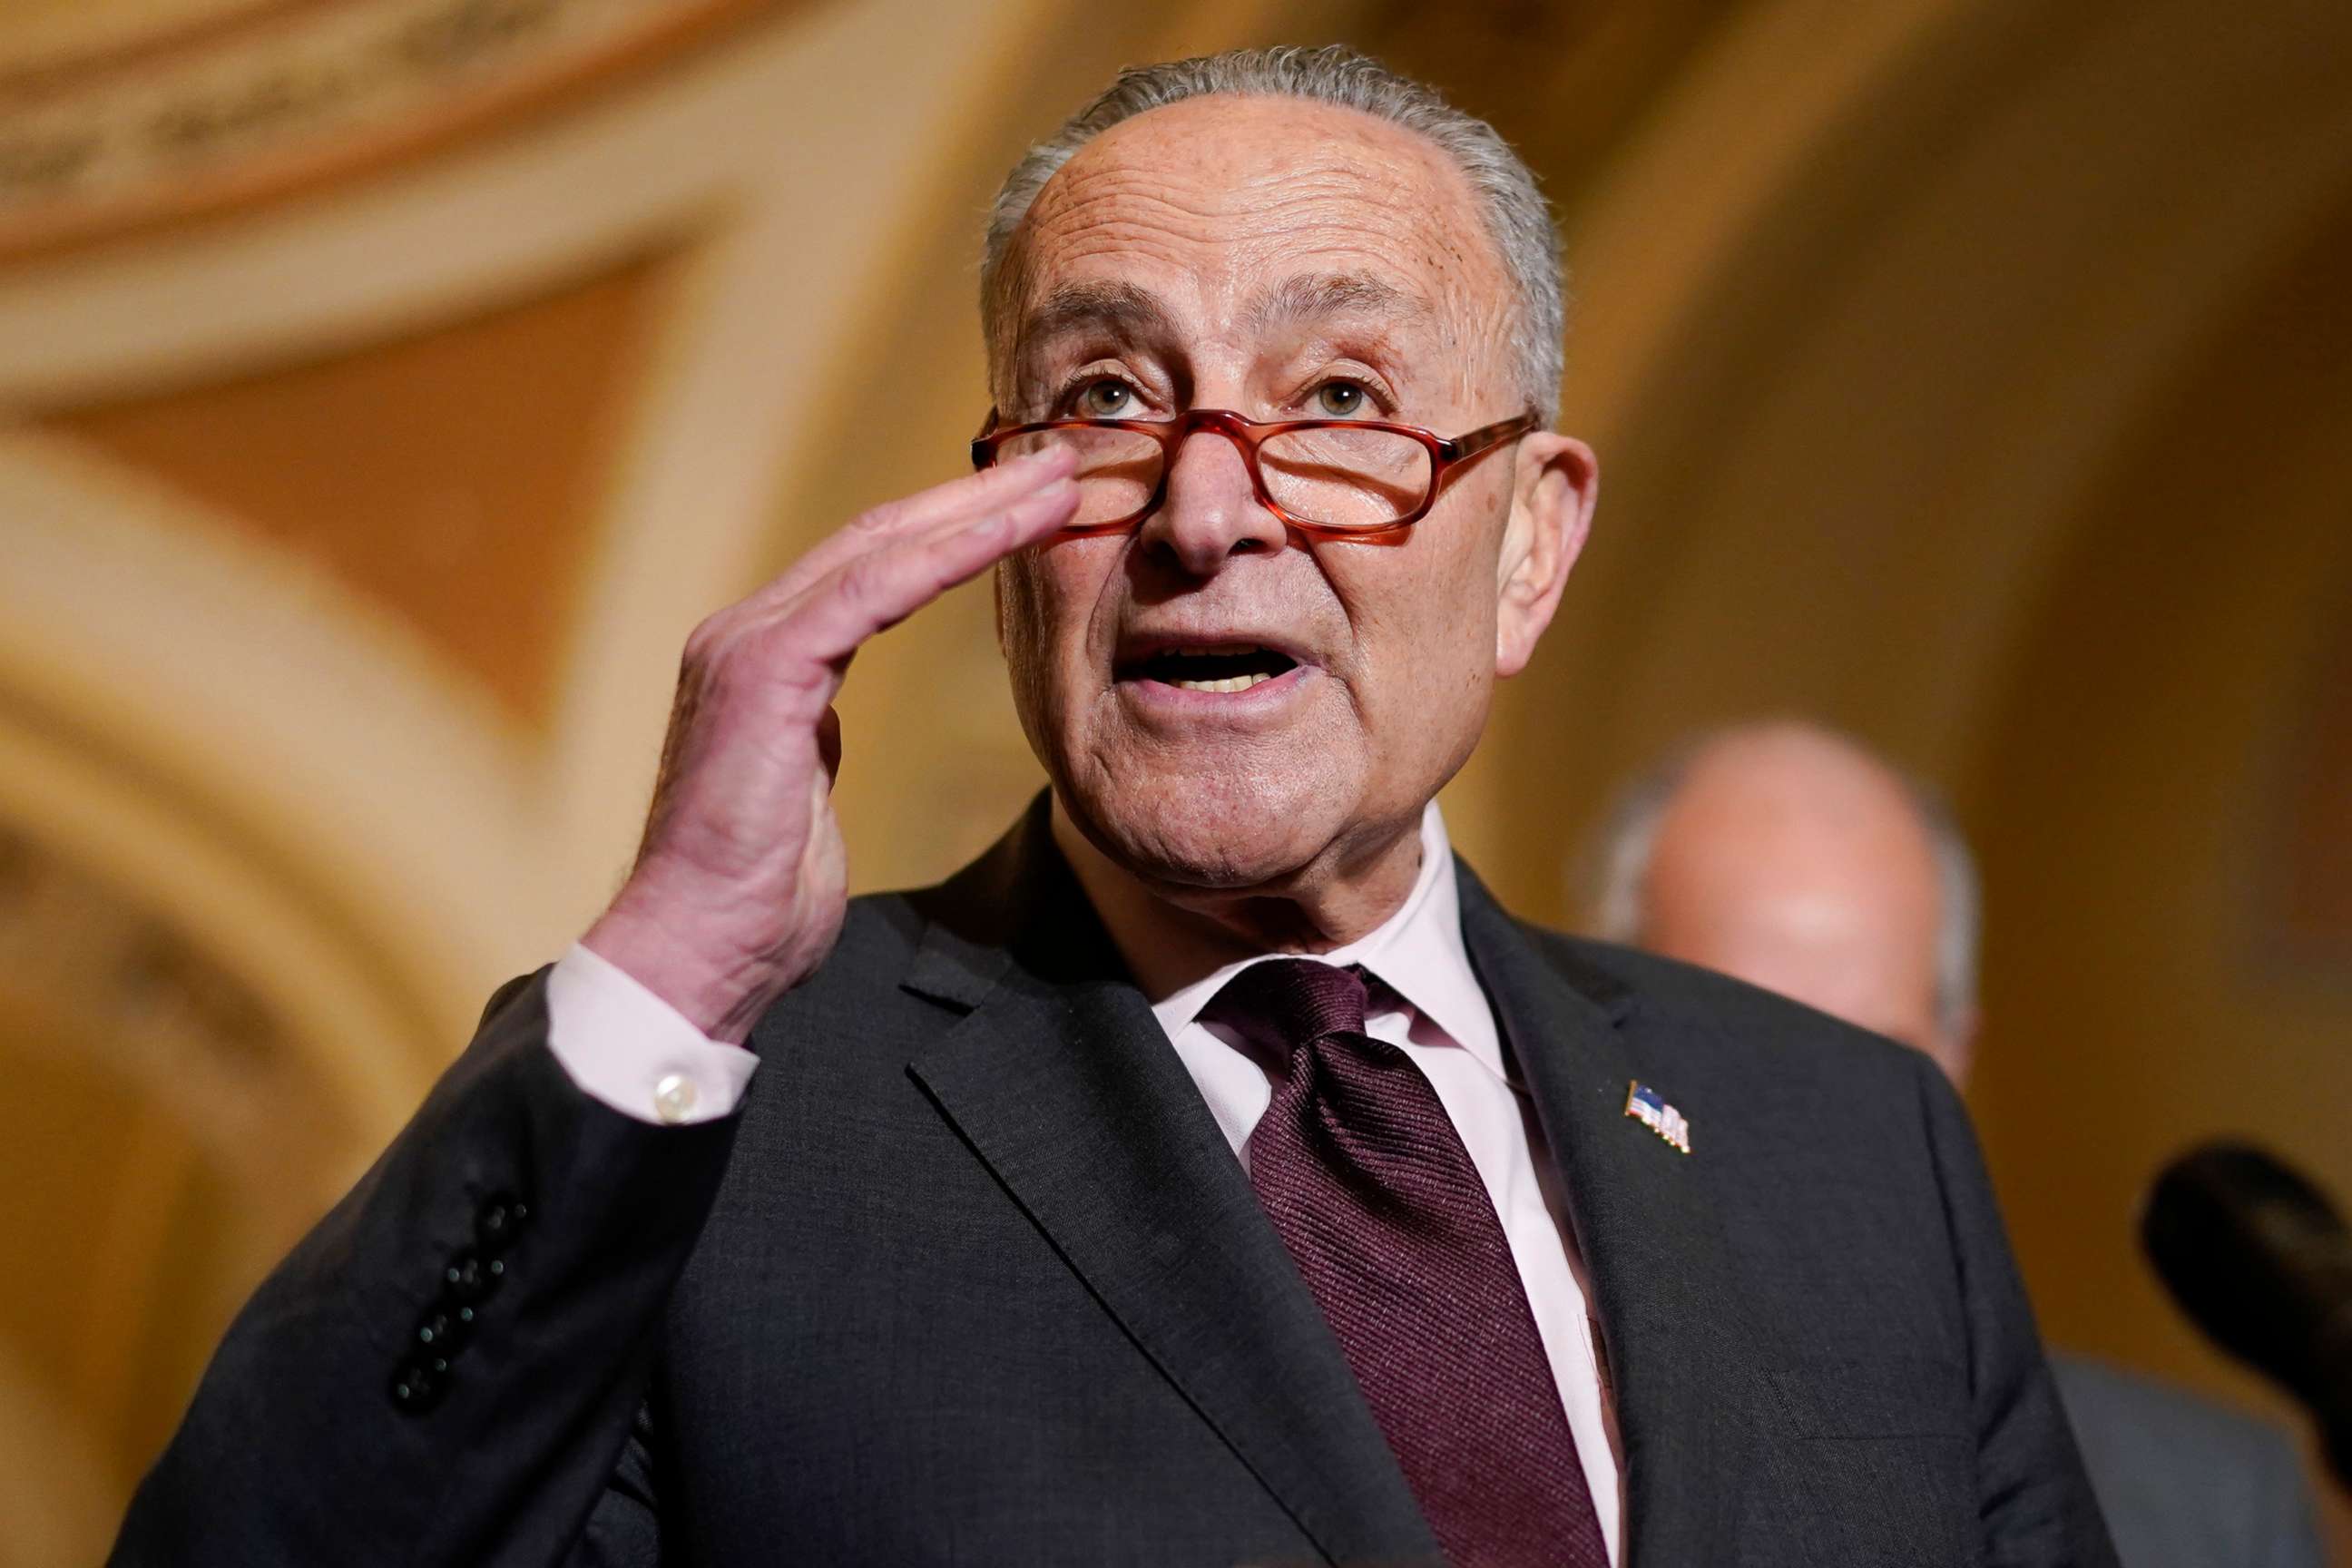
[1791,858]
[1786,855]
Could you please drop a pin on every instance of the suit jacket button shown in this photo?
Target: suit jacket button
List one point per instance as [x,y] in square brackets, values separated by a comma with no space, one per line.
[470,1278]
[498,1221]
[440,1333]
[415,1388]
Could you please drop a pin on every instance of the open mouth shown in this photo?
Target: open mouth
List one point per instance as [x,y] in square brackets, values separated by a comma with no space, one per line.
[1217,669]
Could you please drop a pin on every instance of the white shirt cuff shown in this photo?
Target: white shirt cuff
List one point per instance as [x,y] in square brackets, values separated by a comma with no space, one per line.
[625,1047]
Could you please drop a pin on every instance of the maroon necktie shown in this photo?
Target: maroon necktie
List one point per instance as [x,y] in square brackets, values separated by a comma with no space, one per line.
[1372,1192]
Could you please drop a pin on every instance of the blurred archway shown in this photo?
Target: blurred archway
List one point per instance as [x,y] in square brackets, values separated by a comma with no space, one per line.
[1964,371]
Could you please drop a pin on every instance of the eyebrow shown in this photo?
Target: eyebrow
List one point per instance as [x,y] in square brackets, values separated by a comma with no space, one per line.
[1130,311]
[1315,296]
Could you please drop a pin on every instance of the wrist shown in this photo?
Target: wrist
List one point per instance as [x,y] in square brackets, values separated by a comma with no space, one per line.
[712,982]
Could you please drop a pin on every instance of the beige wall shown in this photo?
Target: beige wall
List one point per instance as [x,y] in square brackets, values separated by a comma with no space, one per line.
[1969,372]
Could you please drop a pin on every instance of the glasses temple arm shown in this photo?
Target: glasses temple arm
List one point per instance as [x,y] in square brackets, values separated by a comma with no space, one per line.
[1485,436]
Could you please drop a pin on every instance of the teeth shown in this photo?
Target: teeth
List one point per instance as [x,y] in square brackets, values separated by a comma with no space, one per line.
[1230,683]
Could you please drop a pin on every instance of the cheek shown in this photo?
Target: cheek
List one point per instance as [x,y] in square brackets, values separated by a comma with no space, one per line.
[1018,611]
[1052,599]
[1441,659]
[1425,624]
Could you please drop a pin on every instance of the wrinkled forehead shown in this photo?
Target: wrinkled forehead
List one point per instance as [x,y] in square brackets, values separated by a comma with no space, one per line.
[1215,204]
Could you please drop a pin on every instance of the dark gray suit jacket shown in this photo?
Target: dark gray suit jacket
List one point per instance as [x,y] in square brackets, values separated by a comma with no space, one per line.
[973,1278]
[2186,1483]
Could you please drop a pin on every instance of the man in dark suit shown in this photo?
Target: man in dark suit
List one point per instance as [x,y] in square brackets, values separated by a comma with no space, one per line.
[1791,857]
[1212,1174]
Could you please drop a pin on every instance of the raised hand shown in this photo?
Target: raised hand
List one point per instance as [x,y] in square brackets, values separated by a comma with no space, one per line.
[740,888]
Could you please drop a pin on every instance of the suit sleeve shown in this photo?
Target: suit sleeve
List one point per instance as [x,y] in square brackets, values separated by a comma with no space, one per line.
[446,1370]
[2032,1493]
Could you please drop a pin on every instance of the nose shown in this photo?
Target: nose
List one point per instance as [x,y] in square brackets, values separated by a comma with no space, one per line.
[1210,511]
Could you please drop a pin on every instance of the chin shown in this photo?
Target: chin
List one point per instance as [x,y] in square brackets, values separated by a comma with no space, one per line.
[1225,830]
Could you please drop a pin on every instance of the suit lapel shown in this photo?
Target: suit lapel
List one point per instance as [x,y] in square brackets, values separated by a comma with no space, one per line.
[1061,1081]
[1680,1356]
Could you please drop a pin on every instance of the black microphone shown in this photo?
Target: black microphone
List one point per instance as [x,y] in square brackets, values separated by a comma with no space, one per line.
[2259,1260]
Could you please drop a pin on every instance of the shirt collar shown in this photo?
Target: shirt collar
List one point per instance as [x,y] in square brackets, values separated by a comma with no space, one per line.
[1417,952]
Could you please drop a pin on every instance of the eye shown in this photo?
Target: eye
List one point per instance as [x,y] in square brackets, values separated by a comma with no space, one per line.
[1339,399]
[1104,397]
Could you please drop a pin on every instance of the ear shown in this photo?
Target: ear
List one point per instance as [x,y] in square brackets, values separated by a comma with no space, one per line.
[1555,481]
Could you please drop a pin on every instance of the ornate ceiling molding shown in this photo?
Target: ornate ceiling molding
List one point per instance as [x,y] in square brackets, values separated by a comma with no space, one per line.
[455,847]
[152,1008]
[251,101]
[220,764]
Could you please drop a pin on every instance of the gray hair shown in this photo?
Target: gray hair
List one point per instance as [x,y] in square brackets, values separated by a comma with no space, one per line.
[1518,219]
[1616,869]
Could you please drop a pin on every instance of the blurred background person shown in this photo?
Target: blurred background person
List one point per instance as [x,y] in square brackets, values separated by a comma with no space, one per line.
[388,386]
[1788,856]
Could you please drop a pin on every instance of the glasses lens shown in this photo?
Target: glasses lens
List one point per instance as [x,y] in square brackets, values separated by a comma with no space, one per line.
[1344,477]
[1117,469]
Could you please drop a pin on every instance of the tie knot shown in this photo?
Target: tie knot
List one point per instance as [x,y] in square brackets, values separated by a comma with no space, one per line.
[1285,1002]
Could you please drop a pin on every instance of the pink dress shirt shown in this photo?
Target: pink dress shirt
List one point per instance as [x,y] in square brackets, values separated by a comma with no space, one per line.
[625,1047]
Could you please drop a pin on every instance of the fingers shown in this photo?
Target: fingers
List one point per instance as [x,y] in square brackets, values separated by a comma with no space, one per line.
[884,586]
[990,488]
[965,499]
[828,743]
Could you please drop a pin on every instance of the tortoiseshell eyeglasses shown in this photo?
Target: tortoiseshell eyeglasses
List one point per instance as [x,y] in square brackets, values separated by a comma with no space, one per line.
[1332,477]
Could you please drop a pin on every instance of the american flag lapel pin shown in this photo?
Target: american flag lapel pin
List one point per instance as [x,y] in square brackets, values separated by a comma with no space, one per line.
[1643,1104]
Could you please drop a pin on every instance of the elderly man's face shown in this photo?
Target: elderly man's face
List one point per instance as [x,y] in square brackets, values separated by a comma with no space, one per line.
[1284,260]
[1795,861]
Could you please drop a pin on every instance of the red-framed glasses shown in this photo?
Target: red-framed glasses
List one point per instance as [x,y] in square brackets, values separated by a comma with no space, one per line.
[1335,476]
